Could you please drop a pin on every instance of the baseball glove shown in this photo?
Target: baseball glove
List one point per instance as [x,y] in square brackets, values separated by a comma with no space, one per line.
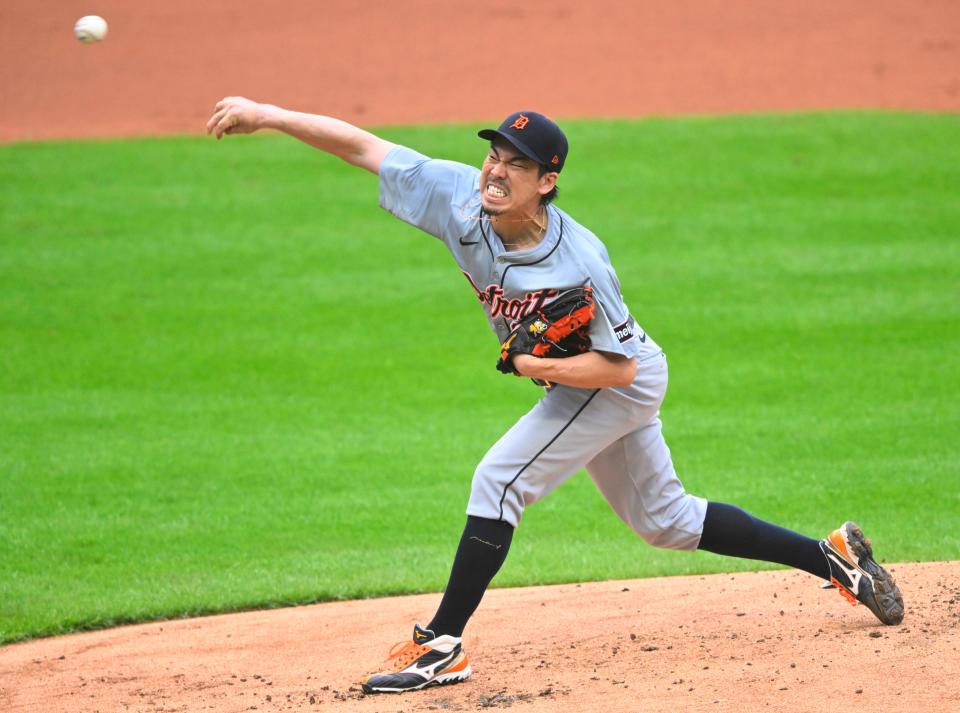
[560,329]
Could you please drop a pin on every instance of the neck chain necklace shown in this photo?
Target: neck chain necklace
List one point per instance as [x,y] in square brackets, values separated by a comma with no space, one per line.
[534,239]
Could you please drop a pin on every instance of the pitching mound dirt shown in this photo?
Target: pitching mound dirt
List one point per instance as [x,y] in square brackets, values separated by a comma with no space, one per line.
[771,641]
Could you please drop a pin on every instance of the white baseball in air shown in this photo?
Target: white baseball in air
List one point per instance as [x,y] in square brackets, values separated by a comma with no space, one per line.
[90,29]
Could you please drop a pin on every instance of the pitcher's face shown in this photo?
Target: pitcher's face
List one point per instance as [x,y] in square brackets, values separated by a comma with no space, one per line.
[510,183]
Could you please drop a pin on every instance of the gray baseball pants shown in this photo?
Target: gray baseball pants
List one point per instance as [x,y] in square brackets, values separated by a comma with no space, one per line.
[616,437]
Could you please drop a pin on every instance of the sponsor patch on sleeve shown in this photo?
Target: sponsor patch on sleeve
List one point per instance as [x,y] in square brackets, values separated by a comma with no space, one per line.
[627,331]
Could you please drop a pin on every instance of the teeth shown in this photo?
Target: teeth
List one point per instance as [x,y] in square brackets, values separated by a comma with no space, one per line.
[495,191]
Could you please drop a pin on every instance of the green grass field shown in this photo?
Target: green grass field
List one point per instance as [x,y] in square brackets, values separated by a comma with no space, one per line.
[228,380]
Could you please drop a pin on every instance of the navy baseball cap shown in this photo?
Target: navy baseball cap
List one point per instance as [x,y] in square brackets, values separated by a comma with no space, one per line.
[535,136]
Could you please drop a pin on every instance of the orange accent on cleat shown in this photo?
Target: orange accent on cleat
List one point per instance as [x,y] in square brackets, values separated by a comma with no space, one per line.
[836,539]
[405,653]
[459,667]
[844,592]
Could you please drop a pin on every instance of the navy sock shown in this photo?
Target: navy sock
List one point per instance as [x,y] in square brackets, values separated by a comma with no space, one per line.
[482,550]
[730,531]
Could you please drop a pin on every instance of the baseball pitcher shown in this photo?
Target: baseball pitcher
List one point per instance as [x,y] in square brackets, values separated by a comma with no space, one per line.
[553,300]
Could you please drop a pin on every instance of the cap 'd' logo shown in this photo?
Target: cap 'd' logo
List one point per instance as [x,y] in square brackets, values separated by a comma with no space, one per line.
[520,123]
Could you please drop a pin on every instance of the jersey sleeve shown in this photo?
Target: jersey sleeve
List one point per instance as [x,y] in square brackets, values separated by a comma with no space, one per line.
[425,192]
[612,330]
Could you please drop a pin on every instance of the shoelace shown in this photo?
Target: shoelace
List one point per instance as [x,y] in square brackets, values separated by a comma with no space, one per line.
[405,653]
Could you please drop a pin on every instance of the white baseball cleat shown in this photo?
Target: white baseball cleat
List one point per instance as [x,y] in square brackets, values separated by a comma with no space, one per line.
[426,660]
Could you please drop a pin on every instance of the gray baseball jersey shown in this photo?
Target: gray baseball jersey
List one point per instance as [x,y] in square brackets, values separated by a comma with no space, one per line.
[614,433]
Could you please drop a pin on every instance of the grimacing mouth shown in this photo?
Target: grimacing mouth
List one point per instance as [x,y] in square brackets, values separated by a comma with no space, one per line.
[495,189]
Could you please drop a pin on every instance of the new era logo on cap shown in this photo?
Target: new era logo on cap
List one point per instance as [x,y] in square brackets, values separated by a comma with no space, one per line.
[535,136]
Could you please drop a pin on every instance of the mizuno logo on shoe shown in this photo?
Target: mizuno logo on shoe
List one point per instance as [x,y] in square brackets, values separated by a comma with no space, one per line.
[853,573]
[435,665]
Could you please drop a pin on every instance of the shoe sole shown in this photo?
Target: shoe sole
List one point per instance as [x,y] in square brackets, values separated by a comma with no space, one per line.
[441,680]
[884,598]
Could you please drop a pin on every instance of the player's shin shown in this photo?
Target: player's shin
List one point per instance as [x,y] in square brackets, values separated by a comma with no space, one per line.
[482,550]
[728,530]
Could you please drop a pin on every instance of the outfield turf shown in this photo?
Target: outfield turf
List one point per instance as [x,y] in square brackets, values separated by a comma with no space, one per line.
[228,380]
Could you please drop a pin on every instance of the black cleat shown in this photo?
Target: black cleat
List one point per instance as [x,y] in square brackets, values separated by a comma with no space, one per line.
[858,577]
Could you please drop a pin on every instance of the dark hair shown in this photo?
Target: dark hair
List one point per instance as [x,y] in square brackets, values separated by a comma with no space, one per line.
[554,192]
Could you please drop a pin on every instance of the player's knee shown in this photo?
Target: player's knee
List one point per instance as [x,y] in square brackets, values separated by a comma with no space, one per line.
[670,538]
[677,526]
[492,499]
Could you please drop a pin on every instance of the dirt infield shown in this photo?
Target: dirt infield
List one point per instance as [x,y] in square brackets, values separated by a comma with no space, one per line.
[770,641]
[165,64]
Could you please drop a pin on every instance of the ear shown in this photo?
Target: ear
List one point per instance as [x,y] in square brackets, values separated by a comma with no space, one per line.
[547,182]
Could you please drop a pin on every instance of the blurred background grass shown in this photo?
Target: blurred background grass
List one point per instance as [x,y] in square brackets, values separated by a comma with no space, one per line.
[228,380]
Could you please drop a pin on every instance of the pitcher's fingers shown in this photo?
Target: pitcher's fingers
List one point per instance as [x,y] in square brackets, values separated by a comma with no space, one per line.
[218,111]
[226,123]
[215,119]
